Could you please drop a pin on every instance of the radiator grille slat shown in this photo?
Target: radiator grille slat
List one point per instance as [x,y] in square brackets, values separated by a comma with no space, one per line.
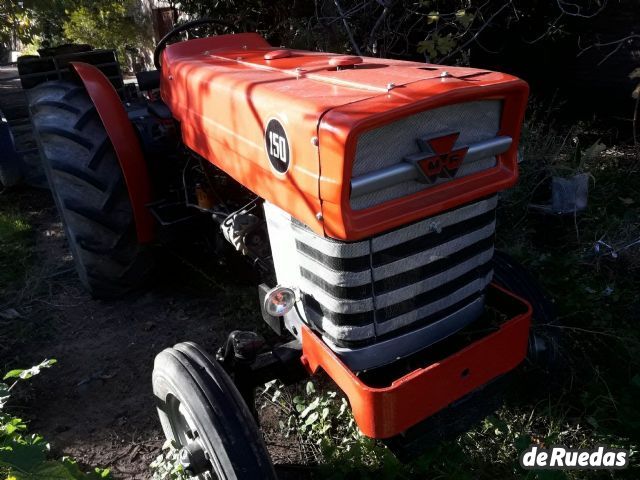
[439,265]
[410,276]
[443,292]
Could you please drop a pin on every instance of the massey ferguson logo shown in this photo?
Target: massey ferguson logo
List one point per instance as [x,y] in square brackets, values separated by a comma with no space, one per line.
[437,158]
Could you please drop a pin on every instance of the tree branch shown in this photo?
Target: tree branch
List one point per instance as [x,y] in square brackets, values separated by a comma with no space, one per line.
[475,35]
[577,12]
[617,43]
[346,27]
[376,25]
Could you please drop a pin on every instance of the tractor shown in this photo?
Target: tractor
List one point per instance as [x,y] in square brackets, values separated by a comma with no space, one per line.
[363,192]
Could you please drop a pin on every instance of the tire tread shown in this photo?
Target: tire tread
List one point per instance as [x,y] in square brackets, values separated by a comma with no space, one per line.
[89,189]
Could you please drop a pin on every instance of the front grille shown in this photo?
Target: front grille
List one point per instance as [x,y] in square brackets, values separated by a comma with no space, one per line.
[361,293]
[387,146]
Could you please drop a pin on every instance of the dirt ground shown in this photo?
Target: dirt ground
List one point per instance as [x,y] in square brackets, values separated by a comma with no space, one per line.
[96,404]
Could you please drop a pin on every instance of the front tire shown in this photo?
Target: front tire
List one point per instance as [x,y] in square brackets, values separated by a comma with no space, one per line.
[88,187]
[203,414]
[545,339]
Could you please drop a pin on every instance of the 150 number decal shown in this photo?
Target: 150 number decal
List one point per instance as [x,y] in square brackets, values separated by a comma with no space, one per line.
[277,146]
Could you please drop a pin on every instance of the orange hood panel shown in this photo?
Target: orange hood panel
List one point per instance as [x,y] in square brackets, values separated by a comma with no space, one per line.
[226,90]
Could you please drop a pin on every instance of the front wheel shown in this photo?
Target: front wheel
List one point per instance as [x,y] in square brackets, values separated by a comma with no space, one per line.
[545,338]
[203,414]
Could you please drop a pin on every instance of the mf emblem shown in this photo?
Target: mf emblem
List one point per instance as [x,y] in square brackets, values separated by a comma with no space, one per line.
[437,157]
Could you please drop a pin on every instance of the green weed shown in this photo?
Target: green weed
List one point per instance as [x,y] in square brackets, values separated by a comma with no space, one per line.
[167,465]
[15,248]
[25,455]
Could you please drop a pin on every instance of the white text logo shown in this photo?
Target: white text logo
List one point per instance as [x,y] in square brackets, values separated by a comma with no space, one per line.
[559,457]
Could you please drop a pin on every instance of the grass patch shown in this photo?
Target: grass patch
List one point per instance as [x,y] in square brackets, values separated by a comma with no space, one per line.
[16,246]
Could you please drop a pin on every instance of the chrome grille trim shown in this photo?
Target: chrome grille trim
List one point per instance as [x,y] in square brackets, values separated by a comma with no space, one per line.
[442,220]
[404,171]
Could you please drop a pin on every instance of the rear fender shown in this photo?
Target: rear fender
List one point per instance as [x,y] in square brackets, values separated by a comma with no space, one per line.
[125,144]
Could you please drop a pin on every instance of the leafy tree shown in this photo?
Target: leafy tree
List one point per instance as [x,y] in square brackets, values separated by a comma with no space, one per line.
[16,25]
[107,24]
[29,21]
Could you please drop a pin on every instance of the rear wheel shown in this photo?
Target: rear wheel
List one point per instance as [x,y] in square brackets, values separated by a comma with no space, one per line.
[9,163]
[203,414]
[89,190]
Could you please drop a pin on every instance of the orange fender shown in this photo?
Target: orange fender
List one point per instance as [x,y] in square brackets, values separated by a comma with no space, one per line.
[125,144]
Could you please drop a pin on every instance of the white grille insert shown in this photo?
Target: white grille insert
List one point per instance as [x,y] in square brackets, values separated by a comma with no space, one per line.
[388,145]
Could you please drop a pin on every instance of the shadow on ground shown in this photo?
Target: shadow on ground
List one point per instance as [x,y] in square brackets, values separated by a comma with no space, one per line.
[96,404]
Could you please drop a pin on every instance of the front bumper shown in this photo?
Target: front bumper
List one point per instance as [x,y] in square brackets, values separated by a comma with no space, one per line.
[387,410]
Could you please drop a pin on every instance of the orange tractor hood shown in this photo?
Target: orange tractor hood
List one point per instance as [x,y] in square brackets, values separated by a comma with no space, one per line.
[226,90]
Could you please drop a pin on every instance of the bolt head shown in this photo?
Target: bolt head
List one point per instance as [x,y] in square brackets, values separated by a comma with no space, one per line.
[391,86]
[319,216]
[445,74]
[314,141]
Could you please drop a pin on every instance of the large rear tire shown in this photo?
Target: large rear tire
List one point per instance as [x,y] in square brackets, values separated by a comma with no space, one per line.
[88,187]
[204,415]
[9,163]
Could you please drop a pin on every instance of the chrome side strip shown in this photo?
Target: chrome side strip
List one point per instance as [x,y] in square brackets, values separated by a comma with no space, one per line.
[404,171]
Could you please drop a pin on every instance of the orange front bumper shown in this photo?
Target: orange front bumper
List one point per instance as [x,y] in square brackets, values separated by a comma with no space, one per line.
[382,412]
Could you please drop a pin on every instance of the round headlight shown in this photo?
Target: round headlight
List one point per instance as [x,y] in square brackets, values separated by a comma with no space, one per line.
[279,300]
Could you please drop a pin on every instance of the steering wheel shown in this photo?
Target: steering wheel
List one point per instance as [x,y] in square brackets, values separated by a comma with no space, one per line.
[183,28]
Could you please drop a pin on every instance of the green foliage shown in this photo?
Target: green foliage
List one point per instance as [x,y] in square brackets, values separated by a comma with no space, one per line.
[440,30]
[15,251]
[27,373]
[437,45]
[323,421]
[167,465]
[595,288]
[33,21]
[25,456]
[15,23]
[105,24]
[447,32]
